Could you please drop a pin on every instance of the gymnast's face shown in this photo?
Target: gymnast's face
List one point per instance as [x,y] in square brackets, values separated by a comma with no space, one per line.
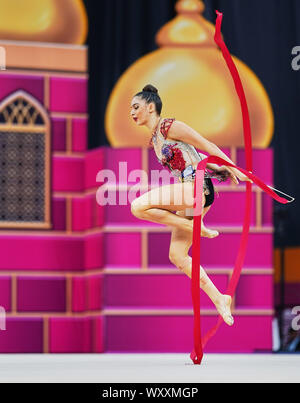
[140,111]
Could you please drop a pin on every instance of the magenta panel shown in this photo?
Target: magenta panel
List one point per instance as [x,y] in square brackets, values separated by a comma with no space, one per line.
[33,85]
[58,214]
[47,294]
[122,249]
[82,213]
[159,334]
[131,159]
[158,249]
[98,342]
[67,174]
[239,338]
[228,209]
[99,215]
[5,293]
[262,163]
[87,293]
[70,335]
[267,209]
[255,291]
[94,163]
[148,334]
[41,253]
[149,290]
[259,250]
[79,134]
[58,134]
[94,292]
[94,251]
[22,335]
[118,211]
[68,94]
[78,294]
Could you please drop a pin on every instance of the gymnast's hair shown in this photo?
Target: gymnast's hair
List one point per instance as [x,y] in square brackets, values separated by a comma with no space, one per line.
[150,94]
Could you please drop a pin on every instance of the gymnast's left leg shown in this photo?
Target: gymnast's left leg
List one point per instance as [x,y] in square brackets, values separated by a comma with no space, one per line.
[158,205]
[209,233]
[181,242]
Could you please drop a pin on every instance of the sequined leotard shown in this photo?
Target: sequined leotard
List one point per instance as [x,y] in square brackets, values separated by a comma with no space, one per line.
[181,158]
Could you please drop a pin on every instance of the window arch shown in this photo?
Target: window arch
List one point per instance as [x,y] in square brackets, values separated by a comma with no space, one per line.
[24,163]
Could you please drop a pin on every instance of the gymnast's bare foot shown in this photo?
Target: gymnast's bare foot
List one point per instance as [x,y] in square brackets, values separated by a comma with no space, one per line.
[205,232]
[223,307]
[208,233]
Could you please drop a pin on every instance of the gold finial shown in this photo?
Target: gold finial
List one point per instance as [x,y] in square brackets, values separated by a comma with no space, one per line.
[190,6]
[189,28]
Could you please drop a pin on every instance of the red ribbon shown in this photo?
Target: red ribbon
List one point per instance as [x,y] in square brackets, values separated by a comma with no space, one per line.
[197,354]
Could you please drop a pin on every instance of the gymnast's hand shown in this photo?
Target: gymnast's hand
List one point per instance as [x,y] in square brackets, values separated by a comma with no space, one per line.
[241,176]
[226,172]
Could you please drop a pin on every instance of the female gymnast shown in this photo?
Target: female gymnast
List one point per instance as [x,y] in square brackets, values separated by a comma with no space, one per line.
[175,145]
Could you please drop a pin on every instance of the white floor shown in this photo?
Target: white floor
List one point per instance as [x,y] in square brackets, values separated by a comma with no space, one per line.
[137,368]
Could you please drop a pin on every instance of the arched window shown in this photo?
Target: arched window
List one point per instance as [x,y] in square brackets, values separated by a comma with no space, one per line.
[24,163]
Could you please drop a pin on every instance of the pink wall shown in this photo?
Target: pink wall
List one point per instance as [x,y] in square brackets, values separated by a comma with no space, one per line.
[50,280]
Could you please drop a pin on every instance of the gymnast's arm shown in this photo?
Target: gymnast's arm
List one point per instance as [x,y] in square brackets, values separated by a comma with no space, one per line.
[182,132]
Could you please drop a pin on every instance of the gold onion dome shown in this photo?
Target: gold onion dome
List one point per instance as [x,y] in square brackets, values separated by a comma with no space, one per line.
[195,86]
[58,21]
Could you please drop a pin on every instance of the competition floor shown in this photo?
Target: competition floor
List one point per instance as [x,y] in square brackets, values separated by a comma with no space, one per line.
[137,368]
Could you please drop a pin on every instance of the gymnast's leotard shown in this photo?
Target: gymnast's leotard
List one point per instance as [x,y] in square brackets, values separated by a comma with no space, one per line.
[181,159]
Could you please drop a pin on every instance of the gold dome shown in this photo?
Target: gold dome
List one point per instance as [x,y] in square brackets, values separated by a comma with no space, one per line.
[58,21]
[194,84]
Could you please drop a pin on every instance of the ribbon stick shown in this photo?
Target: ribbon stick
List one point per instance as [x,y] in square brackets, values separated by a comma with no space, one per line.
[197,354]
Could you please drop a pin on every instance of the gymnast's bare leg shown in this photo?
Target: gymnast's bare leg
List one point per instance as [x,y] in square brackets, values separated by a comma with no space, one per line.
[151,206]
[157,206]
[180,244]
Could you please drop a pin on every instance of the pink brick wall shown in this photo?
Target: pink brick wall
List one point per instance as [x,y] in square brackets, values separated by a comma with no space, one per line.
[48,253]
[255,291]
[22,335]
[58,213]
[33,85]
[259,250]
[129,253]
[165,334]
[154,291]
[76,335]
[87,293]
[5,293]
[43,278]
[68,95]
[37,294]
[79,135]
[58,134]
[70,335]
[67,174]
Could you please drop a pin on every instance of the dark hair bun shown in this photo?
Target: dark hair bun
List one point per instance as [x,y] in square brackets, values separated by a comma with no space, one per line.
[150,88]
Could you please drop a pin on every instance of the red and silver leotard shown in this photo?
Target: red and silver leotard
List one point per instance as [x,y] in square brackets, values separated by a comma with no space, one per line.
[181,158]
